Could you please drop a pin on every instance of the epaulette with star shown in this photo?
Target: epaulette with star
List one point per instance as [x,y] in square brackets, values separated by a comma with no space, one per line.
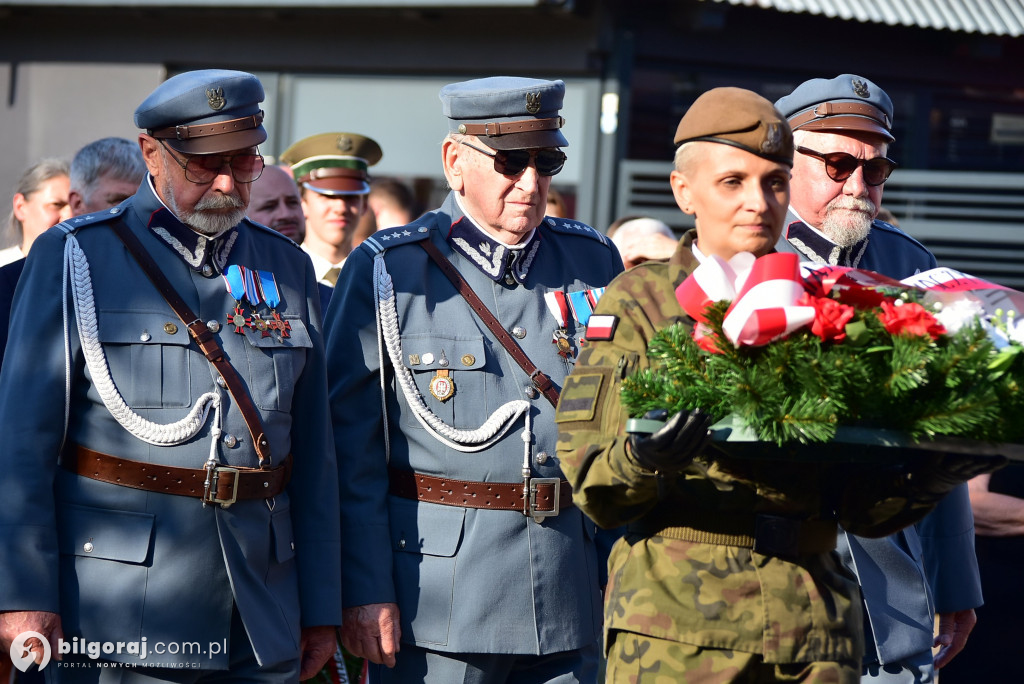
[570,227]
[393,237]
[78,222]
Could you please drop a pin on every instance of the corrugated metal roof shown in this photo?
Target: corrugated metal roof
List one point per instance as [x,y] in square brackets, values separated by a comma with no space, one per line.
[993,17]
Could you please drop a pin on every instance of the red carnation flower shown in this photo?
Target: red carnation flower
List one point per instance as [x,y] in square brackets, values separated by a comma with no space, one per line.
[830,317]
[910,319]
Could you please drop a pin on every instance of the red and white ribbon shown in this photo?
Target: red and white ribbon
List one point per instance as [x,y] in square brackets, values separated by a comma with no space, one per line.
[764,294]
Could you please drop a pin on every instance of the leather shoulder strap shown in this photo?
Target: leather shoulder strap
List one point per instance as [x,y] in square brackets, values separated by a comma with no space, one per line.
[539,379]
[208,344]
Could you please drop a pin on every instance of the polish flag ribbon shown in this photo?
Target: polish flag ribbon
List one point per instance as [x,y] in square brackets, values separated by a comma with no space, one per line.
[764,294]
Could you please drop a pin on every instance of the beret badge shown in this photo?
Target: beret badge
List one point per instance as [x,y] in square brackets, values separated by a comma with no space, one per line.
[215,97]
[532,102]
[860,88]
[772,143]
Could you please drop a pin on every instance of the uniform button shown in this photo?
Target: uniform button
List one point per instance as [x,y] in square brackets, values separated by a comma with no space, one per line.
[468,359]
[541,458]
[551,222]
[88,547]
[423,229]
[401,543]
[207,270]
[230,440]
[214,326]
[427,358]
[221,381]
[170,328]
[519,331]
[509,280]
[531,392]
[293,546]
[145,336]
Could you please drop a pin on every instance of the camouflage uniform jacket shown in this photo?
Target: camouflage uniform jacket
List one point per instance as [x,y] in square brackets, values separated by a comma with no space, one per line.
[709,595]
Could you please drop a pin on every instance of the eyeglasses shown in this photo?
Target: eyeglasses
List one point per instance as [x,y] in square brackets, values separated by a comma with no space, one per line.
[203,168]
[547,161]
[839,166]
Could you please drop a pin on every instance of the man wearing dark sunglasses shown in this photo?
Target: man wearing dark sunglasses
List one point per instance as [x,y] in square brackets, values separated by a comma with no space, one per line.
[497,582]
[843,128]
[165,409]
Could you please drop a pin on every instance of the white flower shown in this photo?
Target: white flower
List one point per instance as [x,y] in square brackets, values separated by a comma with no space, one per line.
[1015,330]
[960,313]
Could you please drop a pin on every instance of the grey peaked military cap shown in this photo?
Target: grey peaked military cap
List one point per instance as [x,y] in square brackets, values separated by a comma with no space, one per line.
[506,112]
[846,103]
[205,112]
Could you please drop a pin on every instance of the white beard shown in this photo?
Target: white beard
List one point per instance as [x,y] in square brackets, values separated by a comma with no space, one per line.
[848,220]
[207,222]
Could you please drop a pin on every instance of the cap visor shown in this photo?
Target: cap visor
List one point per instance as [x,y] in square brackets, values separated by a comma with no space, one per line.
[220,143]
[338,186]
[525,141]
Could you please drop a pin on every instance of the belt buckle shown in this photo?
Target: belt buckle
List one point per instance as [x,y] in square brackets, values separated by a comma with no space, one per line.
[212,477]
[777,536]
[531,498]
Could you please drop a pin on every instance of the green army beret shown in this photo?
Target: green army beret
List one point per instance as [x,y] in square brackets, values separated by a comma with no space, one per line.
[741,118]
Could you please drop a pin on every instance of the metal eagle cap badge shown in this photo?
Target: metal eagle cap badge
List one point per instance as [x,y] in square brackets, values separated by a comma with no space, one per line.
[215,98]
[532,102]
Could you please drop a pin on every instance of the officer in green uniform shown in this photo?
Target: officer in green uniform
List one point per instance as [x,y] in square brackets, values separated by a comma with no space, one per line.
[715,581]
[332,171]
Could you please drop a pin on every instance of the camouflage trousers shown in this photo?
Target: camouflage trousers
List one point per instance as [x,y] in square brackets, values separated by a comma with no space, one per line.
[640,659]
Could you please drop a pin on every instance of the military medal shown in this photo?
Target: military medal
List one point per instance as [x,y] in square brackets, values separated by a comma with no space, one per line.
[267,284]
[234,280]
[559,308]
[237,318]
[442,386]
[583,302]
[261,324]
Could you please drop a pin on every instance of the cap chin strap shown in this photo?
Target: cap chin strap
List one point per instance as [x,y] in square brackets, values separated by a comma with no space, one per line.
[827,109]
[506,127]
[203,130]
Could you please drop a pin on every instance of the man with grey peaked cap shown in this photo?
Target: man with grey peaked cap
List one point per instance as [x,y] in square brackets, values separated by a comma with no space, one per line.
[166,430]
[465,559]
[843,128]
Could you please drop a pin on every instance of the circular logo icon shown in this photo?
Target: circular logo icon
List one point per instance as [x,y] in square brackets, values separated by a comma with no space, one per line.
[22,657]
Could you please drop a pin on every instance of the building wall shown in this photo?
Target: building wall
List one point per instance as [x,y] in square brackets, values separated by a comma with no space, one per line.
[52,109]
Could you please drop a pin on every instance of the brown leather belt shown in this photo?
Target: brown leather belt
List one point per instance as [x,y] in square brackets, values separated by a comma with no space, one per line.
[226,484]
[548,496]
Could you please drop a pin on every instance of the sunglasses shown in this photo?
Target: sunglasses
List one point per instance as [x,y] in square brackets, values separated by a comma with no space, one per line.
[547,161]
[203,168]
[839,166]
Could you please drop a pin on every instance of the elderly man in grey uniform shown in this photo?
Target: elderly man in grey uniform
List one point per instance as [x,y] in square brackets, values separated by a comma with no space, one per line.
[842,129]
[164,406]
[462,541]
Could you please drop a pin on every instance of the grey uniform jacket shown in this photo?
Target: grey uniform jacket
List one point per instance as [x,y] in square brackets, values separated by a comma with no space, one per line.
[930,567]
[120,564]
[466,580]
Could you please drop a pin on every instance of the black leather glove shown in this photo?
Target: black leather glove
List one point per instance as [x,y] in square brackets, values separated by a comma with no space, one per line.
[673,447]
